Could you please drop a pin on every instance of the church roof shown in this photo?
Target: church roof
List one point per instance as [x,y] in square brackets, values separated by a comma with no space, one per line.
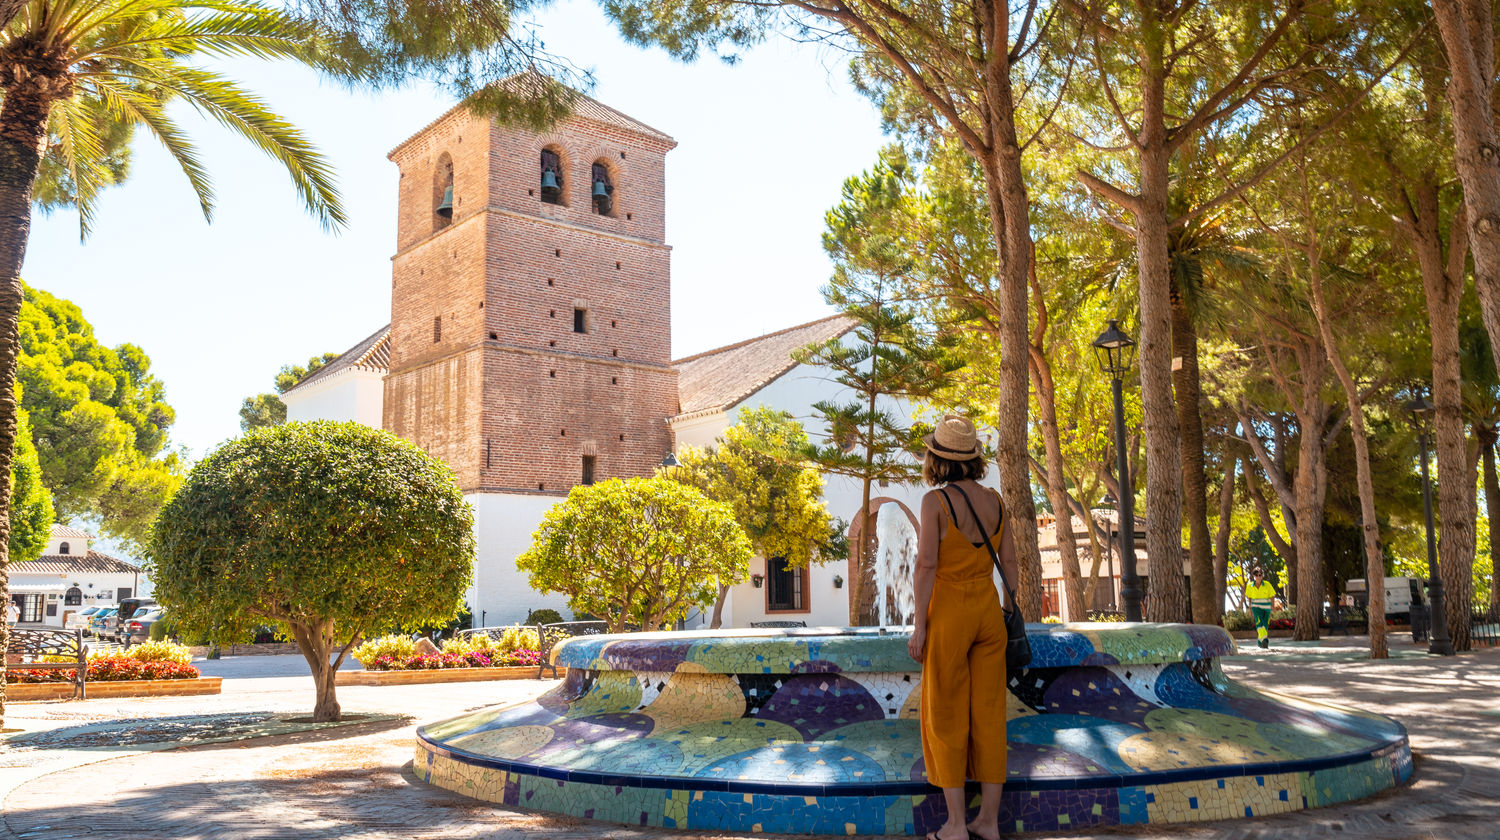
[67,532]
[721,379]
[372,354]
[72,564]
[584,107]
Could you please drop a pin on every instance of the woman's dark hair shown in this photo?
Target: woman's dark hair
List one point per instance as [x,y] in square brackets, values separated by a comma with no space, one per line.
[938,470]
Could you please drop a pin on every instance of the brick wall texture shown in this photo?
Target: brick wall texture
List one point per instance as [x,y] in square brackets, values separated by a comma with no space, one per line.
[486,369]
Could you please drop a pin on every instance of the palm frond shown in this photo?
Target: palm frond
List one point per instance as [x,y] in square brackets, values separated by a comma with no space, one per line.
[82,156]
[242,112]
[236,30]
[132,104]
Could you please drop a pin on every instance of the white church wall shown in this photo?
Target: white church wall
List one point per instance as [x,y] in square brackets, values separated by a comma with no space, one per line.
[348,395]
[503,525]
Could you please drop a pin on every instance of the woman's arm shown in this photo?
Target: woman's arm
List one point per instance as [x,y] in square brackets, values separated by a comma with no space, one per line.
[928,536]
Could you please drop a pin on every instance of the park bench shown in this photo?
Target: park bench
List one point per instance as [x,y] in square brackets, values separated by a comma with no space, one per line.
[548,635]
[755,624]
[26,648]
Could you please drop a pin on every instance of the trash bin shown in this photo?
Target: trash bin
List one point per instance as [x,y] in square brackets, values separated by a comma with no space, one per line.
[1420,622]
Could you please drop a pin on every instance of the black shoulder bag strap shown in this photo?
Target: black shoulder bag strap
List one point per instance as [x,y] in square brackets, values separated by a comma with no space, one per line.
[1018,646]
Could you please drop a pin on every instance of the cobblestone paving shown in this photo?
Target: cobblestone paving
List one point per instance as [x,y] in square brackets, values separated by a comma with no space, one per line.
[354,782]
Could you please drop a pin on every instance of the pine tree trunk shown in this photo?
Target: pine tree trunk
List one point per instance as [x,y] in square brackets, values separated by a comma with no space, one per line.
[23,128]
[863,583]
[1311,488]
[1467,31]
[1443,290]
[1167,596]
[1288,516]
[1369,523]
[1057,487]
[1487,438]
[1221,536]
[1189,394]
[1010,225]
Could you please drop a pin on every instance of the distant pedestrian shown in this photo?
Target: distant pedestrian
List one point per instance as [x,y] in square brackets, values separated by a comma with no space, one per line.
[12,614]
[1262,595]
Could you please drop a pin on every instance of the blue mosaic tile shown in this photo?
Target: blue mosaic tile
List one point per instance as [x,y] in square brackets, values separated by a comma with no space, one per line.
[815,732]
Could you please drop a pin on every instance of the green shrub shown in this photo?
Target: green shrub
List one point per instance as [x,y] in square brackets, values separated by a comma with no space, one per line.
[543,616]
[469,644]
[519,638]
[511,639]
[1238,620]
[1051,619]
[1106,615]
[395,646]
[158,631]
[160,651]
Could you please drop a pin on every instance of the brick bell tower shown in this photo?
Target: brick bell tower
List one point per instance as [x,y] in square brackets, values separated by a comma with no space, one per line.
[530,306]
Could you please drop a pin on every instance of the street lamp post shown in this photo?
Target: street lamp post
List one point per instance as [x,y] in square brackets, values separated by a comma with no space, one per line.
[1422,410]
[1109,534]
[1115,351]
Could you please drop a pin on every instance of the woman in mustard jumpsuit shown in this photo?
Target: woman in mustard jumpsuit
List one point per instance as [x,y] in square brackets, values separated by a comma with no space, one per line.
[959,630]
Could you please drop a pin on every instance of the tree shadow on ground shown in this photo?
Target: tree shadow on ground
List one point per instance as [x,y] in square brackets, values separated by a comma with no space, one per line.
[206,730]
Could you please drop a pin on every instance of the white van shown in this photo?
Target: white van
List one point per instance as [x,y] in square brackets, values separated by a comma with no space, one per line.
[1400,594]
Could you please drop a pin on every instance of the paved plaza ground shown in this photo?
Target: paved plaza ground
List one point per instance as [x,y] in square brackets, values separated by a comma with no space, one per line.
[238,765]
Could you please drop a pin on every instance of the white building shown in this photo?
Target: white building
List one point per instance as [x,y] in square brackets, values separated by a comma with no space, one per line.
[68,577]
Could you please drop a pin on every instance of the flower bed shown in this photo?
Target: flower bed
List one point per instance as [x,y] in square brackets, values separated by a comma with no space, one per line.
[443,661]
[109,669]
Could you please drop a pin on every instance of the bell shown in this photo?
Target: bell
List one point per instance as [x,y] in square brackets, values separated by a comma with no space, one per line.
[445,208]
[601,189]
[550,187]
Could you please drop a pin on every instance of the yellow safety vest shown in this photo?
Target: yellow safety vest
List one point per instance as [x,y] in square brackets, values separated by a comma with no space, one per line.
[1262,596]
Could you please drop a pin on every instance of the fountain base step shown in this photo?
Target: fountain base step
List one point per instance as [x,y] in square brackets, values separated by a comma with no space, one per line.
[816,733]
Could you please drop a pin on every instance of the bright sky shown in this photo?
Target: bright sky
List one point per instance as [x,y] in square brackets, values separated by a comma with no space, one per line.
[764,147]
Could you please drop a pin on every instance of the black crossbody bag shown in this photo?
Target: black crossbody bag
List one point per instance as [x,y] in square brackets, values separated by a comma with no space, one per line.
[1017,645]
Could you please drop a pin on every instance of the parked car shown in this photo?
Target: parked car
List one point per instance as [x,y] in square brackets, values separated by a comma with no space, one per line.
[114,626]
[130,606]
[98,619]
[80,620]
[137,629]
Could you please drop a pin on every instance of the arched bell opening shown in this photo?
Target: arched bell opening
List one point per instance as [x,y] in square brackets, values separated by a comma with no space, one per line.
[554,166]
[442,193]
[602,185]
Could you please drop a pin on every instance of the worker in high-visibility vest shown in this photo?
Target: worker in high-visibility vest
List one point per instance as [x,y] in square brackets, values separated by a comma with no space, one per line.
[1262,596]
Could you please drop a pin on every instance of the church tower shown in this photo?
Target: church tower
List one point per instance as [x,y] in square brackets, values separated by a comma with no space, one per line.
[530,340]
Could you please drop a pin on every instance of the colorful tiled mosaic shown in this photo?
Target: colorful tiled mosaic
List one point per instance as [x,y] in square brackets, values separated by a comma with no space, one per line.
[815,732]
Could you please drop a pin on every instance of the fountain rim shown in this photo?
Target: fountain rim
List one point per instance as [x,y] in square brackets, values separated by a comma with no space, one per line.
[880,649]
[914,787]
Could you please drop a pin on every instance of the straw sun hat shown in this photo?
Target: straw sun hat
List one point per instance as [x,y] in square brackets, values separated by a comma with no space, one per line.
[954,439]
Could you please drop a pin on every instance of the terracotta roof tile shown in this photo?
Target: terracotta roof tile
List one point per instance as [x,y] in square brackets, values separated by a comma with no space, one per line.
[373,354]
[69,564]
[585,107]
[67,532]
[721,379]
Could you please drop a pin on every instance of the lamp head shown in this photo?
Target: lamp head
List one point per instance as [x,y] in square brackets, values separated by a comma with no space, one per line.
[1114,349]
[1421,410]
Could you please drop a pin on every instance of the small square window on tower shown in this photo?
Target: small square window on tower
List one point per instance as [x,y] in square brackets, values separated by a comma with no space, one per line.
[588,469]
[580,319]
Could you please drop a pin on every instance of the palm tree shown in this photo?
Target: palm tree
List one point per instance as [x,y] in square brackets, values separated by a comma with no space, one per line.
[77,75]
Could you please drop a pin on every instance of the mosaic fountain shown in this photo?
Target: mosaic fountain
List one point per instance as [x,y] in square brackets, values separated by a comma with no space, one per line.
[815,732]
